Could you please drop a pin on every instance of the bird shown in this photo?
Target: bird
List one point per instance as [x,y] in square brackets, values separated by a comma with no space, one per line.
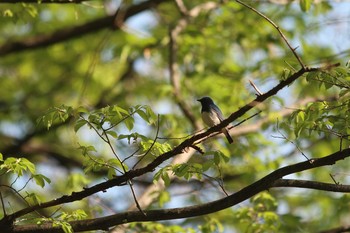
[212,115]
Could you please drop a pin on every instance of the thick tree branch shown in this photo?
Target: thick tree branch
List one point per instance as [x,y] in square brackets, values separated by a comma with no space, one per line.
[120,180]
[271,180]
[73,32]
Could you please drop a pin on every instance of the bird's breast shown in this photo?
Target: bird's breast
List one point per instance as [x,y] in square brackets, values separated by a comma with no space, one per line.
[210,118]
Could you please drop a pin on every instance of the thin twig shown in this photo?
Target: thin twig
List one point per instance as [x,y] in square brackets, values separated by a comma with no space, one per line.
[25,185]
[150,148]
[278,29]
[128,157]
[221,181]
[19,195]
[285,138]
[94,128]
[104,164]
[255,87]
[53,213]
[229,128]
[14,181]
[123,119]
[113,150]
[244,120]
[335,182]
[134,196]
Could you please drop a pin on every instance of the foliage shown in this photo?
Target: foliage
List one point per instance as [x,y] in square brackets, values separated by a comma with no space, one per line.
[84,106]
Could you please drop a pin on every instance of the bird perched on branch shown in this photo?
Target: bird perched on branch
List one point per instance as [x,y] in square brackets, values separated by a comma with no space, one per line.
[212,115]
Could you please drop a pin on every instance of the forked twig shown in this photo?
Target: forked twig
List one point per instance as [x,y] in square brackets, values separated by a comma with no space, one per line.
[278,29]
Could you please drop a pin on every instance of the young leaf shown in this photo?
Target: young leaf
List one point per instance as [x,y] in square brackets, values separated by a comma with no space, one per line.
[41,179]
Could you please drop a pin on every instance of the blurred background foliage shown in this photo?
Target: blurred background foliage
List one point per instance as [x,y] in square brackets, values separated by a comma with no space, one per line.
[46,90]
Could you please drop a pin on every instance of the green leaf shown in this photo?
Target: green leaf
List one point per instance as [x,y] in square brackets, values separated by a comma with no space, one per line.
[120,110]
[18,166]
[41,179]
[33,198]
[219,157]
[87,149]
[147,114]
[143,115]
[216,159]
[116,163]
[300,116]
[181,170]
[7,13]
[165,178]
[28,165]
[207,165]
[55,115]
[311,76]
[129,123]
[76,180]
[163,198]
[111,173]
[79,123]
[112,133]
[79,214]
[81,109]
[305,5]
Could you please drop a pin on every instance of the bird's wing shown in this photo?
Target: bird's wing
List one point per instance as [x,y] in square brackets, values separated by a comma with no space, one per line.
[218,112]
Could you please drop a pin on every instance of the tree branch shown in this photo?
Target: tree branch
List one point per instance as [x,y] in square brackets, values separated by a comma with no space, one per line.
[307,184]
[122,179]
[64,34]
[271,180]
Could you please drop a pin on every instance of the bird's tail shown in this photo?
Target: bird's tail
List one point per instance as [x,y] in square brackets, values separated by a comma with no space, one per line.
[228,136]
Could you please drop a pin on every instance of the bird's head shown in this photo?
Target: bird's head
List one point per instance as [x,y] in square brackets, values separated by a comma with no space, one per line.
[206,101]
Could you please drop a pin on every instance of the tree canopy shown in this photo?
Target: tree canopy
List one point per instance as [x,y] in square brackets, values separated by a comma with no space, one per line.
[100,127]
